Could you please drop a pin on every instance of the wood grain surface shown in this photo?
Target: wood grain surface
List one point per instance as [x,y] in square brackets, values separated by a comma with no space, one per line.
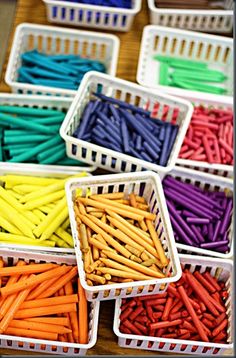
[34,11]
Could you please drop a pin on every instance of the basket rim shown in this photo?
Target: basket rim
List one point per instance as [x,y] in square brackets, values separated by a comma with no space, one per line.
[132,11]
[131,86]
[188,258]
[109,178]
[208,179]
[61,31]
[96,305]
[194,12]
[149,30]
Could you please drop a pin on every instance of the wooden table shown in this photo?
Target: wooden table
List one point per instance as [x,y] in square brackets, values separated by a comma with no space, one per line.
[34,11]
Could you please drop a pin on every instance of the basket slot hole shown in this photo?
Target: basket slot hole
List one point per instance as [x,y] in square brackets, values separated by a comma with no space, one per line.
[150,344]
[72,14]
[89,16]
[174,43]
[172,346]
[208,52]
[43,347]
[58,45]
[216,350]
[124,20]
[103,51]
[156,42]
[123,165]
[133,168]
[183,347]
[113,162]
[182,47]
[67,46]
[128,97]
[84,49]
[118,94]
[205,349]
[9,343]
[142,188]
[164,44]
[74,149]
[161,345]
[93,156]
[80,15]
[191,48]
[226,55]
[122,187]
[63,13]
[84,152]
[104,159]
[111,189]
[20,344]
[194,348]
[97,18]
[200,48]
[127,342]
[217,52]
[139,343]
[32,346]
[115,19]
[76,47]
[40,43]
[53,348]
[30,45]
[54,11]
[99,189]
[48,45]
[93,50]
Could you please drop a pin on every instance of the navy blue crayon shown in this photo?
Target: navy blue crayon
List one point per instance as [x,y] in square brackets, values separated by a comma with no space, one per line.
[122,104]
[164,153]
[125,136]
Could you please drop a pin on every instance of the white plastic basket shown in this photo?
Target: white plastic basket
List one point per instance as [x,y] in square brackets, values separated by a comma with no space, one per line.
[217,51]
[101,17]
[35,101]
[211,182]
[222,269]
[211,20]
[148,185]
[209,101]
[37,171]
[47,346]
[53,40]
[133,94]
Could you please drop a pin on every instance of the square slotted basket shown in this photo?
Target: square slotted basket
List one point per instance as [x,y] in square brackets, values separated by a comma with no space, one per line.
[94,16]
[216,51]
[148,185]
[222,269]
[46,346]
[46,171]
[46,102]
[211,183]
[133,94]
[52,40]
[206,20]
[209,101]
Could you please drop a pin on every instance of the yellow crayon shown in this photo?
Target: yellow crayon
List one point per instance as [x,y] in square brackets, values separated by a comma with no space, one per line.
[23,240]
[50,217]
[44,200]
[13,193]
[43,191]
[12,180]
[14,216]
[6,225]
[32,217]
[39,214]
[66,224]
[10,199]
[26,188]
[65,236]
[54,224]
[59,241]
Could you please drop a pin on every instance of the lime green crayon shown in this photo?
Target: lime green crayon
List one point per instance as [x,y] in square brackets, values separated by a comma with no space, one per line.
[197,86]
[179,62]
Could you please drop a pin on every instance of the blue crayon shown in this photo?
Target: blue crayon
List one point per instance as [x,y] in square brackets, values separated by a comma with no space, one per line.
[125,136]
